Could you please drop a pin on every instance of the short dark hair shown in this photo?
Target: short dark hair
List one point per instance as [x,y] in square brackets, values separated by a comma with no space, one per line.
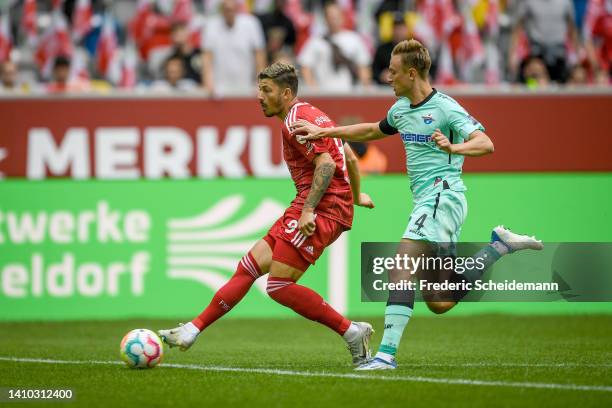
[173,57]
[61,61]
[283,75]
[414,55]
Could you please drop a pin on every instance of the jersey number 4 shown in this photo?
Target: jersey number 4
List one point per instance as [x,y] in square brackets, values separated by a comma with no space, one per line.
[420,221]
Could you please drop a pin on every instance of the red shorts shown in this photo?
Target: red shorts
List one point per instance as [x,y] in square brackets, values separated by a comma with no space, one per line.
[291,247]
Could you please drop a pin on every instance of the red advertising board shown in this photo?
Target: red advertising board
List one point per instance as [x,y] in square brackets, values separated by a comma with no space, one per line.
[168,137]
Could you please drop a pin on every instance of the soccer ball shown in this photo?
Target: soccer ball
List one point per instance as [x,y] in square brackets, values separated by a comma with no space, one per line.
[141,348]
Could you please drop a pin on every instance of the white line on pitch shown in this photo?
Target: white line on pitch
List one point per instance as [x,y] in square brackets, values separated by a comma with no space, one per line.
[271,371]
[506,365]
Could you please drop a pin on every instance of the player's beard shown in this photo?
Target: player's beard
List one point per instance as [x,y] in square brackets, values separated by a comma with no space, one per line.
[270,110]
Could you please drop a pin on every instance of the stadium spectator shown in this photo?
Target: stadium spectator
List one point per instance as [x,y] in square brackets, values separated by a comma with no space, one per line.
[8,77]
[159,29]
[337,60]
[547,24]
[174,77]
[534,73]
[382,56]
[598,39]
[578,75]
[278,30]
[62,80]
[183,48]
[234,51]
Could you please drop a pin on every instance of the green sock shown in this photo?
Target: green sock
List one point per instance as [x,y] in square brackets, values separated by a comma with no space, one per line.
[396,319]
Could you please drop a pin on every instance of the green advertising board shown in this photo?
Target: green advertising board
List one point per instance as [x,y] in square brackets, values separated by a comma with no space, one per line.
[116,249]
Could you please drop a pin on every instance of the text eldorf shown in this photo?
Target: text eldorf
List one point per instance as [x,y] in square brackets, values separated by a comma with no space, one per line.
[44,251]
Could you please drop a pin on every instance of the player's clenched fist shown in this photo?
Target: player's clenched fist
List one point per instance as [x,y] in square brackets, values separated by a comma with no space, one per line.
[364,200]
[304,131]
[442,141]
[306,223]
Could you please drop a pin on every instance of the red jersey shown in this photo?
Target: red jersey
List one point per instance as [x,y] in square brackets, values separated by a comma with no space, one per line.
[337,202]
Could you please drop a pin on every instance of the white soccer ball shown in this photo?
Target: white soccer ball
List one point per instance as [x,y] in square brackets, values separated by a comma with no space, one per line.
[141,348]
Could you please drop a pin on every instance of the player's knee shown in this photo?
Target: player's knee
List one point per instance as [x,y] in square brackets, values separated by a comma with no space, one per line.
[275,286]
[440,307]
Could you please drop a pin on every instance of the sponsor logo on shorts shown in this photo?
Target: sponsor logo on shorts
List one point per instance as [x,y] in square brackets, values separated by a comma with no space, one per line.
[309,249]
[417,232]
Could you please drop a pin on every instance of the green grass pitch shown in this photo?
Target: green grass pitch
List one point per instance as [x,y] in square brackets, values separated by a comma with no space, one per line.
[485,360]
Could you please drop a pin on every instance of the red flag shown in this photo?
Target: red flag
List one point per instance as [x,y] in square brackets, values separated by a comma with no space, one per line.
[594,9]
[78,66]
[492,63]
[196,26]
[107,50]
[470,54]
[139,29]
[301,20]
[28,21]
[183,11]
[492,18]
[448,18]
[81,21]
[439,20]
[55,42]
[348,8]
[6,40]
[445,74]
[129,63]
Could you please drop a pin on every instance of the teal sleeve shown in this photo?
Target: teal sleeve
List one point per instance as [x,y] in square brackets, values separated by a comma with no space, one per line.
[460,122]
[390,119]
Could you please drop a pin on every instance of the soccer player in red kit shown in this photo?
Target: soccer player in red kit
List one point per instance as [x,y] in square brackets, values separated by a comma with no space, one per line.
[326,182]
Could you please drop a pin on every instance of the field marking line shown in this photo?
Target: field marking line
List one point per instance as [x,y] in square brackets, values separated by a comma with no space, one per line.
[271,371]
[508,365]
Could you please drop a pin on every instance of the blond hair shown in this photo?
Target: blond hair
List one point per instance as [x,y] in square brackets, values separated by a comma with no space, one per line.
[283,75]
[414,55]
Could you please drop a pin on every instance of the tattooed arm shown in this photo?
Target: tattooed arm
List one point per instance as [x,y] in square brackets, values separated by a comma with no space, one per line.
[325,167]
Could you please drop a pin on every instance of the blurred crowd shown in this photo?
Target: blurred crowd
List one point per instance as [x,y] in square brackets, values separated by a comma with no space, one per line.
[339,46]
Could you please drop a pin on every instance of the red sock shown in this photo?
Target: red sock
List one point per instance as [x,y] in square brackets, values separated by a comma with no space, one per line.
[231,293]
[306,302]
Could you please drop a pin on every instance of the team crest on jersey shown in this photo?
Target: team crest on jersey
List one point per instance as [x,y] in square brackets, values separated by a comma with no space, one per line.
[428,119]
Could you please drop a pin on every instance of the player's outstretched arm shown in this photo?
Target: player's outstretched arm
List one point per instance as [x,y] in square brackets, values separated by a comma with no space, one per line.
[477,144]
[325,167]
[361,132]
[352,167]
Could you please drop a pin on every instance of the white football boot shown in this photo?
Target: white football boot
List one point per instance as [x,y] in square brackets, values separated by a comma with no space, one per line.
[358,341]
[514,242]
[378,363]
[182,337]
